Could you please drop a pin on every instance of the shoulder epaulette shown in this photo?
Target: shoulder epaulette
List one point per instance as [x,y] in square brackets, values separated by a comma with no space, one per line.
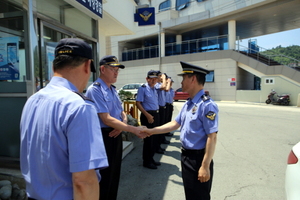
[205,97]
[97,84]
[84,97]
[143,85]
[113,86]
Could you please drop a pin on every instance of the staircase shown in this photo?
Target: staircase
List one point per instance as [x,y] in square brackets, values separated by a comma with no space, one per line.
[264,59]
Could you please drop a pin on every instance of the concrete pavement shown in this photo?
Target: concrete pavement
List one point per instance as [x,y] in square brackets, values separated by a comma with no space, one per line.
[254,141]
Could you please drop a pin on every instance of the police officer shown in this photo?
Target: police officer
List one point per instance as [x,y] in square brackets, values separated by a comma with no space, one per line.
[113,120]
[61,141]
[169,103]
[161,87]
[198,119]
[147,103]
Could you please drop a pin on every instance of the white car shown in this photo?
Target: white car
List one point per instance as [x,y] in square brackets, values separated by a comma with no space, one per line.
[292,176]
[131,87]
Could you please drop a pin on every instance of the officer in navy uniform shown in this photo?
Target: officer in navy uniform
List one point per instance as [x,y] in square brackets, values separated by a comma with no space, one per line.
[147,103]
[113,120]
[61,141]
[198,120]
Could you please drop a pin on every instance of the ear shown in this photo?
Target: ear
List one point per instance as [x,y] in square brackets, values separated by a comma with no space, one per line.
[102,69]
[87,66]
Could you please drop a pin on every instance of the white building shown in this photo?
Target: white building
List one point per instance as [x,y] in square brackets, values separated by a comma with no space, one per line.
[207,33]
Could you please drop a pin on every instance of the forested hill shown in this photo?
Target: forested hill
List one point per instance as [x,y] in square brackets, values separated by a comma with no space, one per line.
[290,51]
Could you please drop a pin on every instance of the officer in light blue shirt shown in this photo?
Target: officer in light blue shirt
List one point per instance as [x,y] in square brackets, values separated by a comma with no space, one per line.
[113,121]
[61,141]
[198,120]
[147,103]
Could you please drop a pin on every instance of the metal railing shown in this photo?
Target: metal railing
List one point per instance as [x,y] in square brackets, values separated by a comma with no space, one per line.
[208,44]
[176,48]
[268,56]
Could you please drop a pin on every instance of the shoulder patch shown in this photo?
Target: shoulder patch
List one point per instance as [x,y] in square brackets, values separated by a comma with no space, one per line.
[211,115]
[84,97]
[143,85]
[96,84]
[205,97]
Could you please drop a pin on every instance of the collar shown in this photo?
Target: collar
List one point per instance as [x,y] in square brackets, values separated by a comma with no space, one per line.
[62,82]
[197,97]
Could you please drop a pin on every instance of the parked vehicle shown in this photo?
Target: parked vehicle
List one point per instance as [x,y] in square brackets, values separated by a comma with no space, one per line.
[274,98]
[131,87]
[180,95]
[292,175]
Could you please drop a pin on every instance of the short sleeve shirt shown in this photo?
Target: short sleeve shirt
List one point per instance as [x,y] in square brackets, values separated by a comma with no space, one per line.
[60,135]
[148,97]
[106,100]
[161,94]
[197,118]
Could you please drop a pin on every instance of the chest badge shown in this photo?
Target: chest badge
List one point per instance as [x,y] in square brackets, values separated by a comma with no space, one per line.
[211,115]
[194,109]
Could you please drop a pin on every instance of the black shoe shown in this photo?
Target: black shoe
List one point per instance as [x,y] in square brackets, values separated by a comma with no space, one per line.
[169,134]
[156,163]
[162,149]
[165,142]
[159,151]
[150,166]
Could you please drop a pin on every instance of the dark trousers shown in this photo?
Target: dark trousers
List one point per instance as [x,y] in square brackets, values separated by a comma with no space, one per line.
[110,176]
[149,145]
[190,165]
[162,120]
[169,112]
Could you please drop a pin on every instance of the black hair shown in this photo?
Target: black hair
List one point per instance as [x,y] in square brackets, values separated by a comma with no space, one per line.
[200,78]
[67,61]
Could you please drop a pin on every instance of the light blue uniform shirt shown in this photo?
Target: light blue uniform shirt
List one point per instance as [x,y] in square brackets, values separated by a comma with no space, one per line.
[197,118]
[170,95]
[106,99]
[161,95]
[148,97]
[60,134]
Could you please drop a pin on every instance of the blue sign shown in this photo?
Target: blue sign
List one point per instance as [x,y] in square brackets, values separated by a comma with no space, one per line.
[9,58]
[93,5]
[145,16]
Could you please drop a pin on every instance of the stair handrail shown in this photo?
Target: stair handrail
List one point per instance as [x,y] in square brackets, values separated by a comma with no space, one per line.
[261,52]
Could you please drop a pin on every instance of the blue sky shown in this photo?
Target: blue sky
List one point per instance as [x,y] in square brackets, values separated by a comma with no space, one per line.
[286,38]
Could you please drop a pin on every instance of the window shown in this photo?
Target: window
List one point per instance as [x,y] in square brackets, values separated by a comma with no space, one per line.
[182,4]
[269,81]
[166,5]
[210,77]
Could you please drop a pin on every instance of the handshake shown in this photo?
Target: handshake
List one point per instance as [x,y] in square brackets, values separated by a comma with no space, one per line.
[142,132]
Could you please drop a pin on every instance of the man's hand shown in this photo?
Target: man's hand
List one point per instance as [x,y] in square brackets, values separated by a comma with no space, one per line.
[150,118]
[114,133]
[140,132]
[203,174]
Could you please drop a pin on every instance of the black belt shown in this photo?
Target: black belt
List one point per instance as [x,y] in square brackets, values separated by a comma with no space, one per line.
[191,151]
[163,107]
[107,129]
[153,111]
[169,103]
